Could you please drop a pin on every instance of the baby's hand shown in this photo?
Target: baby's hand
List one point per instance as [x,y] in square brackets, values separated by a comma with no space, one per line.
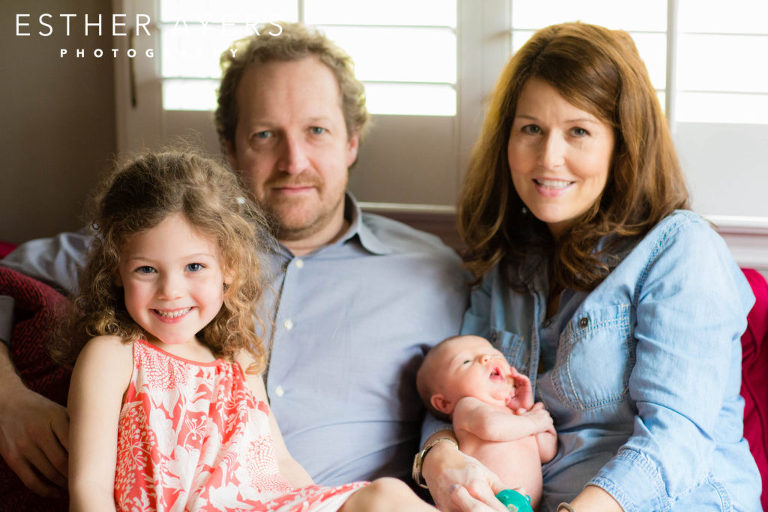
[522,396]
[539,416]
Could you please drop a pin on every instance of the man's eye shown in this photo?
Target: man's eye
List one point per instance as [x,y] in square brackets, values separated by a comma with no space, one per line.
[317,130]
[195,267]
[145,269]
[264,134]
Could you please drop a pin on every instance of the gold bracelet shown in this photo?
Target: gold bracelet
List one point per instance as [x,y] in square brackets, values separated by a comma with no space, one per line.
[418,461]
[565,506]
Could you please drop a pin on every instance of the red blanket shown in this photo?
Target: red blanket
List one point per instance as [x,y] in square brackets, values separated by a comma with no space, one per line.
[37,310]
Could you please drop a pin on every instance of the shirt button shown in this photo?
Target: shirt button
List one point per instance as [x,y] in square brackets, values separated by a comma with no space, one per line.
[279,391]
[288,324]
[583,322]
[299,263]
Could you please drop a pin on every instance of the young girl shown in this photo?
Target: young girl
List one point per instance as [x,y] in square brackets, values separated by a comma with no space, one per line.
[163,417]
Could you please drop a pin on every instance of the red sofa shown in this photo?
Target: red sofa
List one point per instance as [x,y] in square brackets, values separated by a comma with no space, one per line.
[37,307]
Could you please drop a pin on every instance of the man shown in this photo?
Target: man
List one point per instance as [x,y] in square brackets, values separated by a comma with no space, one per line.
[356,298]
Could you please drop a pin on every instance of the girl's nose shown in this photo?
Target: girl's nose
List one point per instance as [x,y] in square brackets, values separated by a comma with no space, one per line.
[170,288]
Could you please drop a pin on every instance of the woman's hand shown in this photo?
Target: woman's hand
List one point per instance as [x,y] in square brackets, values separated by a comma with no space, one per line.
[460,483]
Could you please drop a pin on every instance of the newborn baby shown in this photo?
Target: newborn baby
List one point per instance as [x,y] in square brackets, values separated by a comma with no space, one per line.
[465,380]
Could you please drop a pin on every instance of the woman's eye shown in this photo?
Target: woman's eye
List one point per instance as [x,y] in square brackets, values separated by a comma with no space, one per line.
[195,267]
[580,132]
[317,130]
[531,129]
[145,269]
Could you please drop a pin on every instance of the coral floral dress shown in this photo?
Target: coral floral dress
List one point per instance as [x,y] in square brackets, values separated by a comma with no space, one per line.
[193,437]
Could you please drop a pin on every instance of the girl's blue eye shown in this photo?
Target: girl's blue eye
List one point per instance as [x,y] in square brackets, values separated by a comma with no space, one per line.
[195,267]
[145,269]
[580,132]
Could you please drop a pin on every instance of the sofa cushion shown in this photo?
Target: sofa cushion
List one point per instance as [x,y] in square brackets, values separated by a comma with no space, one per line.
[754,384]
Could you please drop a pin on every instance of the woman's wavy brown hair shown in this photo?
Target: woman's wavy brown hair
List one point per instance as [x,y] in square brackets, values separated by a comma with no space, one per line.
[138,197]
[599,71]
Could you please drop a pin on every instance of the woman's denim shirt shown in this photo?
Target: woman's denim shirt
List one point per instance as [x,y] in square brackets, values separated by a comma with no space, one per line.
[644,390]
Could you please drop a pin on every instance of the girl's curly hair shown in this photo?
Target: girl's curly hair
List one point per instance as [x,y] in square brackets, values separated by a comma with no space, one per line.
[137,197]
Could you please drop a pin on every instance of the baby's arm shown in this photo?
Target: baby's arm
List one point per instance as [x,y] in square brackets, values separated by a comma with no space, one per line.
[547,440]
[291,470]
[99,380]
[491,424]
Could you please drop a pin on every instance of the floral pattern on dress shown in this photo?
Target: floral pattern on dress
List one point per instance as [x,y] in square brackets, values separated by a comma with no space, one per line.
[193,437]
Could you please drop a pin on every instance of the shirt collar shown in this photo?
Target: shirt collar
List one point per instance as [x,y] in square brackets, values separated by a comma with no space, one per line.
[358,226]
[358,229]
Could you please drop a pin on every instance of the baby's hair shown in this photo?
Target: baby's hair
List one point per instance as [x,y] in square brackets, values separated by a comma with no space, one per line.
[139,196]
[424,385]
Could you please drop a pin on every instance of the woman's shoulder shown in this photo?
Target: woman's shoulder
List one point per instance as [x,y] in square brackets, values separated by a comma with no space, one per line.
[683,228]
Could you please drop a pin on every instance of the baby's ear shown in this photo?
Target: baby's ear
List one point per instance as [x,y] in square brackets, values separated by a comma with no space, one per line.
[442,404]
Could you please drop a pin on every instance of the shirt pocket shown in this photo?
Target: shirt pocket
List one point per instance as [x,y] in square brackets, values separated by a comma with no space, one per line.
[595,356]
[513,347]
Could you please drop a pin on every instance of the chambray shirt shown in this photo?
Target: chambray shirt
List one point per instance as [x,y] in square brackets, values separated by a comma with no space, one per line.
[352,321]
[644,383]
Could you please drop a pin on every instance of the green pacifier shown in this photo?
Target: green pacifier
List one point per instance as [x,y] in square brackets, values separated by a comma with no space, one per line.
[514,501]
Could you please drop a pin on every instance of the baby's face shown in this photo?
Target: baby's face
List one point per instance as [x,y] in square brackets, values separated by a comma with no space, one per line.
[471,366]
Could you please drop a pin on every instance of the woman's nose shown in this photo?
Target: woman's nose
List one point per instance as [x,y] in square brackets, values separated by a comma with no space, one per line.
[552,151]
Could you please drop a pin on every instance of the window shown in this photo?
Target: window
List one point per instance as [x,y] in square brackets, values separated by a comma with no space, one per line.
[429,66]
[405,52]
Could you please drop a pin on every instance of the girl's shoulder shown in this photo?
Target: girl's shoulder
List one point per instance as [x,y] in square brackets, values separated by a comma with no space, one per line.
[107,343]
[106,351]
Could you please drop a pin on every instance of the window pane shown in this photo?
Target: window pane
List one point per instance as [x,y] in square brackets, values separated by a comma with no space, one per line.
[189,94]
[411,99]
[697,107]
[399,54]
[716,16]
[390,12]
[194,50]
[649,15]
[723,63]
[231,11]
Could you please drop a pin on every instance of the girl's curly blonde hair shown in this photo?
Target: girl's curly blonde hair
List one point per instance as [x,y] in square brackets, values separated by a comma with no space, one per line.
[137,197]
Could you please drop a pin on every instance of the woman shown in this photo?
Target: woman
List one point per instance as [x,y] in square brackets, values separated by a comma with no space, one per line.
[623,307]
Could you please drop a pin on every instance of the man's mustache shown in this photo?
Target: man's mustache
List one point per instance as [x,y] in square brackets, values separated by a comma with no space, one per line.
[305,181]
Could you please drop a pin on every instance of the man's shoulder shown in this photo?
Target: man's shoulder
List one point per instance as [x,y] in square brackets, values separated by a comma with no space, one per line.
[399,237]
